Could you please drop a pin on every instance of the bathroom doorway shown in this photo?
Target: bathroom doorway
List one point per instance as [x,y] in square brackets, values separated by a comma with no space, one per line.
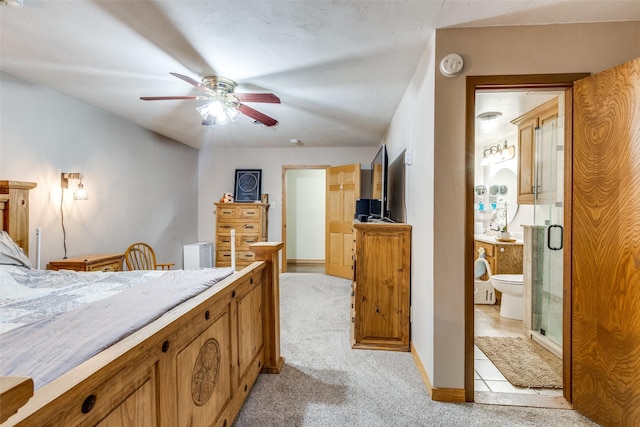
[501,149]
[518,132]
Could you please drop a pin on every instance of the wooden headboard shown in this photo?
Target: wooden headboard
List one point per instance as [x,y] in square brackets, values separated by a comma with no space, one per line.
[14,210]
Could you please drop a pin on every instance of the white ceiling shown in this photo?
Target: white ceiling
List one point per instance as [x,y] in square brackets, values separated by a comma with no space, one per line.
[340,68]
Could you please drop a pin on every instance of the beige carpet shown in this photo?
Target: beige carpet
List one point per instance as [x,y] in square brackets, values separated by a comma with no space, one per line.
[523,362]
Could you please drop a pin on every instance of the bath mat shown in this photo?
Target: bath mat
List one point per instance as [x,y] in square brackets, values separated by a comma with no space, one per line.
[522,361]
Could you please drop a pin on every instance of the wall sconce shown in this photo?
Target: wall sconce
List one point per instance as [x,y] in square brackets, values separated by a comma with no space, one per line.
[498,153]
[80,193]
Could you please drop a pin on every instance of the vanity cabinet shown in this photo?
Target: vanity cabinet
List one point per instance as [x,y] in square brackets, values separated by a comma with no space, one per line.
[503,257]
[541,119]
[381,286]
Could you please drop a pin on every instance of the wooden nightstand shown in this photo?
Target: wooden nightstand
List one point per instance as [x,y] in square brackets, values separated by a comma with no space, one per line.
[94,262]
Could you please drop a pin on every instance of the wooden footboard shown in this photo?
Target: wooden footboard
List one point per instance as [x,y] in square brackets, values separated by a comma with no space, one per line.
[194,366]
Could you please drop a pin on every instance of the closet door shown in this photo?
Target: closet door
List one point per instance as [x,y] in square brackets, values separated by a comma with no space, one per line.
[606,246]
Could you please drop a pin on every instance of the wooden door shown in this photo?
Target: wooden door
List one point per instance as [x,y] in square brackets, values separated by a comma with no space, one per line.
[343,188]
[606,246]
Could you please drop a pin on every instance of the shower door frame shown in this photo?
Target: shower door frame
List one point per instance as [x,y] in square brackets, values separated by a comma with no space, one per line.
[534,82]
[547,172]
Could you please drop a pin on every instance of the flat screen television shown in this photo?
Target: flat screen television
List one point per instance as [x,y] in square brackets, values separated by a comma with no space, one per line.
[379,166]
[395,189]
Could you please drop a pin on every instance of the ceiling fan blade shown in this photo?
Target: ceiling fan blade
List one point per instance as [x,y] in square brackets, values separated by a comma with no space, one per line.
[257,115]
[257,97]
[168,98]
[192,82]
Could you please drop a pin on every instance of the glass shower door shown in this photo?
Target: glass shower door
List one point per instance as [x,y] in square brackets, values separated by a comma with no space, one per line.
[548,217]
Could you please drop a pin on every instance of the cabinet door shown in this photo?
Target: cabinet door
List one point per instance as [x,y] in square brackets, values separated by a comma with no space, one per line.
[381,305]
[526,159]
[547,163]
[508,259]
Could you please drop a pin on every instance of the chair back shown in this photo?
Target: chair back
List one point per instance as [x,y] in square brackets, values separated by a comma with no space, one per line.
[140,256]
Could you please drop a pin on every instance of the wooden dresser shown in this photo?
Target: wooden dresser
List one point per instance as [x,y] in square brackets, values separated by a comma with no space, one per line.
[94,262]
[250,221]
[381,286]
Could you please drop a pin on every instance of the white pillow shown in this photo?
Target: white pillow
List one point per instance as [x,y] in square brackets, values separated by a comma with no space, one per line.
[10,252]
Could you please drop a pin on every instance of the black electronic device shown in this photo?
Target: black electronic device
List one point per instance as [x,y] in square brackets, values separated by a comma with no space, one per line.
[363,207]
[379,166]
[395,189]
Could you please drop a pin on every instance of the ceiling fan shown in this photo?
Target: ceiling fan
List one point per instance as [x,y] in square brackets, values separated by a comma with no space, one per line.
[224,104]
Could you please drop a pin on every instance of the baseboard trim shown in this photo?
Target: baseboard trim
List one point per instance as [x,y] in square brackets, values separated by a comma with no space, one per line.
[305,261]
[453,395]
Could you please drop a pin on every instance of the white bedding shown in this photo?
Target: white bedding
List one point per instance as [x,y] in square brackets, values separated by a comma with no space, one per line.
[73,316]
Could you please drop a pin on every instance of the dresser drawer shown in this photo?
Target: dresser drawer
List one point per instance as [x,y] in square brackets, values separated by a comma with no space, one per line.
[239,226]
[107,266]
[242,240]
[239,212]
[223,258]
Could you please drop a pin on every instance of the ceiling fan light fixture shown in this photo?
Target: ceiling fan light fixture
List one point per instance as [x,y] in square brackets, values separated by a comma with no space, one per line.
[222,109]
[224,105]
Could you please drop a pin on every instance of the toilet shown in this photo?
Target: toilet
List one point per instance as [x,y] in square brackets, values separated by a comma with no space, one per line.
[512,290]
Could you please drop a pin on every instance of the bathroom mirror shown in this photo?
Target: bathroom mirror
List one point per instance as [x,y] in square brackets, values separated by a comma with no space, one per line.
[503,188]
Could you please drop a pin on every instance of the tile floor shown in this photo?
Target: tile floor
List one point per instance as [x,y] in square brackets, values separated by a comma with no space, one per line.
[486,376]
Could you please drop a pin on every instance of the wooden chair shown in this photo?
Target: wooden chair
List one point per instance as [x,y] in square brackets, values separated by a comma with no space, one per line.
[140,256]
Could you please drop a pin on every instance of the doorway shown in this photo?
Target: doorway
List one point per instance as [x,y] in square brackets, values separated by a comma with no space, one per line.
[496,219]
[518,134]
[303,218]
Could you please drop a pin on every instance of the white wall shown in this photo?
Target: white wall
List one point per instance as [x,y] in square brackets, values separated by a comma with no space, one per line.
[142,186]
[431,120]
[306,200]
[412,129]
[217,170]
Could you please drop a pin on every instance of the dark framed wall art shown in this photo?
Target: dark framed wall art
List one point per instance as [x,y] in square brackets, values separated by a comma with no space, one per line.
[248,185]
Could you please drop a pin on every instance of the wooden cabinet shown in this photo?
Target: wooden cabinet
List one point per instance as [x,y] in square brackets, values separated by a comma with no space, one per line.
[538,121]
[381,286]
[94,262]
[250,222]
[503,258]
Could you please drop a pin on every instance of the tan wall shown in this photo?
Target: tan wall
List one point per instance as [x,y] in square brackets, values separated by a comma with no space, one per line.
[439,340]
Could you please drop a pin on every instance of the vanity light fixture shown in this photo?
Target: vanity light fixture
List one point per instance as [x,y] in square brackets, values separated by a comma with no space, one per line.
[485,158]
[80,193]
[498,153]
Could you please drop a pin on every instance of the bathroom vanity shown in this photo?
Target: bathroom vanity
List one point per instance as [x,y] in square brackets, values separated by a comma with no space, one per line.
[503,257]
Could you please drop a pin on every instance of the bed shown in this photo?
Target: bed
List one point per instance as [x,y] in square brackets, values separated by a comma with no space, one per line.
[191,362]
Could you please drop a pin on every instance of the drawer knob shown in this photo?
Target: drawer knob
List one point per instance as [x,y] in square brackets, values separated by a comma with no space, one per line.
[88,404]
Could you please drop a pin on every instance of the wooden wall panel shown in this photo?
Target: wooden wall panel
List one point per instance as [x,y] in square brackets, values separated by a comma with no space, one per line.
[606,246]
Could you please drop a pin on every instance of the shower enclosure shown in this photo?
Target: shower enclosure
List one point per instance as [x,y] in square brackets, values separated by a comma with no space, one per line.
[547,233]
